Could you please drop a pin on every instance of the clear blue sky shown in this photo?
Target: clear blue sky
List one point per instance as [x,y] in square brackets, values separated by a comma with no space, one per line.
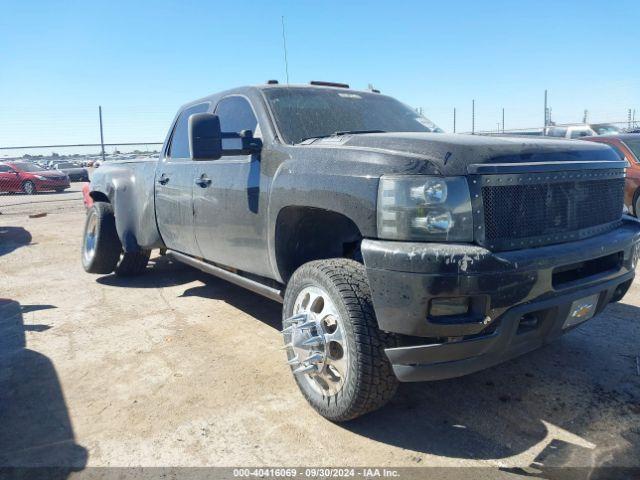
[141,59]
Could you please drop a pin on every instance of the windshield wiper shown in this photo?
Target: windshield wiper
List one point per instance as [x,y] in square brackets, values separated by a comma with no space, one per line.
[342,132]
[349,132]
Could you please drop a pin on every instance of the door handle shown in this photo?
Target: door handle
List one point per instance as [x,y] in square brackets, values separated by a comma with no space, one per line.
[203,181]
[163,180]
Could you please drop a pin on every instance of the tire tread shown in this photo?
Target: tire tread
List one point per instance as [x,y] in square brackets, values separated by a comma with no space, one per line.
[374,383]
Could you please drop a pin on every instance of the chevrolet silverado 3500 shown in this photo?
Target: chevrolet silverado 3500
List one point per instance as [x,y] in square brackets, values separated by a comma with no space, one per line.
[400,253]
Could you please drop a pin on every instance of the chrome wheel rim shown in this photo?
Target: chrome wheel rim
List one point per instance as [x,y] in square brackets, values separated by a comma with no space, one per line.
[89,245]
[29,188]
[315,342]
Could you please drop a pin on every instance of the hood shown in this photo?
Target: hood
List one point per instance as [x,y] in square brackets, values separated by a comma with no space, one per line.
[451,154]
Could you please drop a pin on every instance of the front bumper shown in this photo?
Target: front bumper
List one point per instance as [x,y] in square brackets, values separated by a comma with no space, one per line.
[52,184]
[505,286]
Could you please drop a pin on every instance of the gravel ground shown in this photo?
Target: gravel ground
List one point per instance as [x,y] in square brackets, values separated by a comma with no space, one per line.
[176,368]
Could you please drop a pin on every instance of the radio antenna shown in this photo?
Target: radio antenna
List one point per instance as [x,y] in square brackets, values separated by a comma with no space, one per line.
[284,45]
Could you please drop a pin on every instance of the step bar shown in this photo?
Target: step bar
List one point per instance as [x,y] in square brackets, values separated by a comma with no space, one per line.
[249,284]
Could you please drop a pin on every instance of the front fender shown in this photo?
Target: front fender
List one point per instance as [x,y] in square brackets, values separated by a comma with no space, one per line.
[351,195]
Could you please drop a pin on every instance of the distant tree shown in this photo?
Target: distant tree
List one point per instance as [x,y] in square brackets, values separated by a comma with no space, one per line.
[54,155]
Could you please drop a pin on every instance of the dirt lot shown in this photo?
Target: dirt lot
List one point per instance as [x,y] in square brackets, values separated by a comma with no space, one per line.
[176,368]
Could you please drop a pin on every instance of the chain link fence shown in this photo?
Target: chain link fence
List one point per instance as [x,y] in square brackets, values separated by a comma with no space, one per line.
[45,179]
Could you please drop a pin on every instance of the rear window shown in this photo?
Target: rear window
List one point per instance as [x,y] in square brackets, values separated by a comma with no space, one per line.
[557,132]
[580,133]
[180,140]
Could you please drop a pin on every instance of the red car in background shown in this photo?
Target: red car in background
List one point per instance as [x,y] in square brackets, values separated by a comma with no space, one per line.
[628,146]
[29,178]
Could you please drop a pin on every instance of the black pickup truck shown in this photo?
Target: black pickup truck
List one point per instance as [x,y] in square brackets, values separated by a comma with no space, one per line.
[400,253]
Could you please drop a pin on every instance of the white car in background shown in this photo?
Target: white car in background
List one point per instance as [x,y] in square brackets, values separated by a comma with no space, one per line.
[583,130]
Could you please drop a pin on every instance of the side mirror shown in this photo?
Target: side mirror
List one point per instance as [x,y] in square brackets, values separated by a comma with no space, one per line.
[205,137]
[247,144]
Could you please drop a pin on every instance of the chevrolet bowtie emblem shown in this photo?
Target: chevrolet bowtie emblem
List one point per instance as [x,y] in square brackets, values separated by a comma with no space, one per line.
[582,310]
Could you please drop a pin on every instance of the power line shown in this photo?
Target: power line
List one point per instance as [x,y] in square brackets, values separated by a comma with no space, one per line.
[81,145]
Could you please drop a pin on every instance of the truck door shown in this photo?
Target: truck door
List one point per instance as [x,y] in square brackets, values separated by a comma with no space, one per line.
[174,188]
[230,207]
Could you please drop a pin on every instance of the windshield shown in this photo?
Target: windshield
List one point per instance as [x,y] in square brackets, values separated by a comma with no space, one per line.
[634,146]
[606,129]
[315,112]
[28,167]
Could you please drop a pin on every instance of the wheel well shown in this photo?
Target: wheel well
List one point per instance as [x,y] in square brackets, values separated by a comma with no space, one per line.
[307,233]
[99,197]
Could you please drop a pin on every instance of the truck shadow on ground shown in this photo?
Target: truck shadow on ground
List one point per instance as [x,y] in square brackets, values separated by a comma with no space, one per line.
[35,425]
[164,272]
[161,272]
[12,238]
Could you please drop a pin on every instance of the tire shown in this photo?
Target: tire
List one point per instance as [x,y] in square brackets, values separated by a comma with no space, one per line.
[132,263]
[29,187]
[636,205]
[101,246]
[368,381]
[59,190]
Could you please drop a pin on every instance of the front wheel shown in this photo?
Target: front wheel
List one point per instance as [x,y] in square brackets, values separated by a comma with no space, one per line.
[29,187]
[334,346]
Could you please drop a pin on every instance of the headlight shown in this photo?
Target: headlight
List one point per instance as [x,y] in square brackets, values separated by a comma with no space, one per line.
[423,208]
[40,177]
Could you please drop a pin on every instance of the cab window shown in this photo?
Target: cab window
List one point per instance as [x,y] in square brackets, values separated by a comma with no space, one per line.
[180,140]
[236,114]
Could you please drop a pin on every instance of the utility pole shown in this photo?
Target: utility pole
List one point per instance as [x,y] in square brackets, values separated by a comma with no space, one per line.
[454,119]
[101,134]
[585,117]
[473,117]
[284,45]
[546,114]
[502,119]
[629,119]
